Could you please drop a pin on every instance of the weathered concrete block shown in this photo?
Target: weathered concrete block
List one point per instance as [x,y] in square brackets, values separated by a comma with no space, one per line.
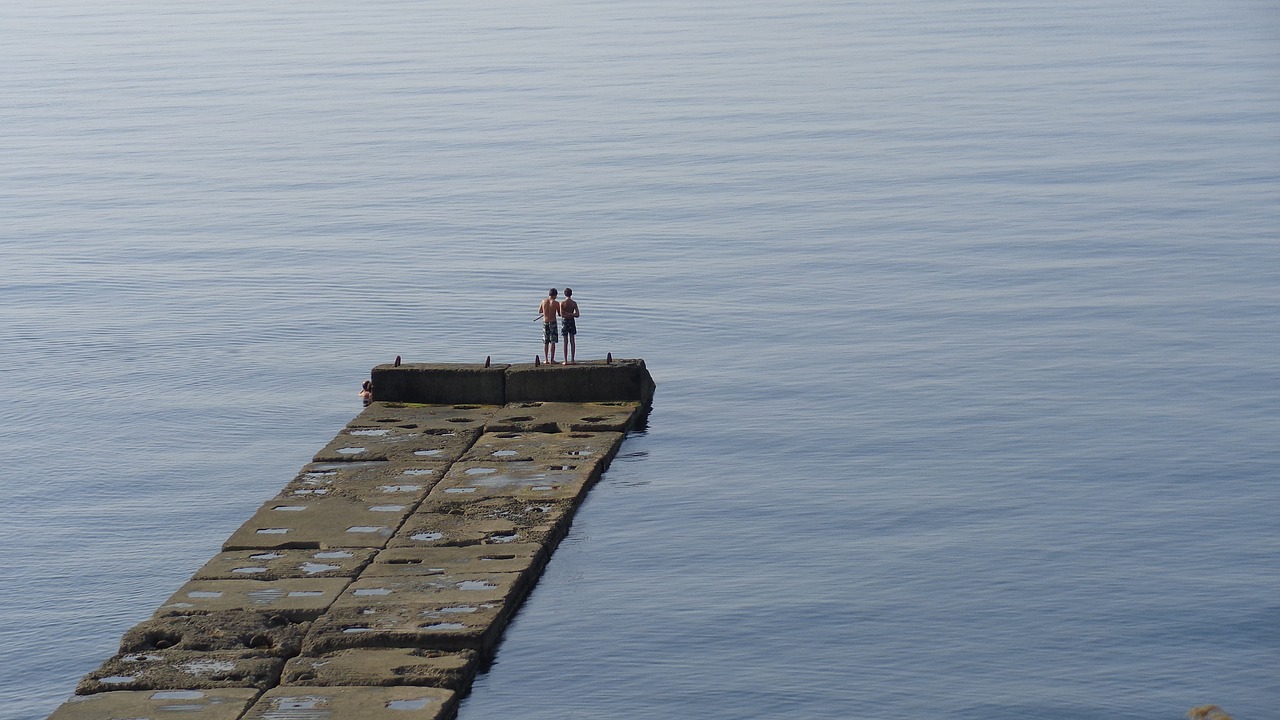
[508,558]
[319,522]
[565,448]
[280,564]
[564,417]
[492,521]
[246,632]
[426,416]
[354,703]
[440,626]
[528,481]
[291,598]
[440,383]
[182,670]
[396,443]
[596,381]
[374,482]
[219,704]
[445,588]
[386,666]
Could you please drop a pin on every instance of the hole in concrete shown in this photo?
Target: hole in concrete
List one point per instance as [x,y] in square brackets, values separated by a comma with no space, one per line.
[503,538]
[519,418]
[204,594]
[161,640]
[332,554]
[444,626]
[410,426]
[460,420]
[389,420]
[289,508]
[364,529]
[456,491]
[405,561]
[481,471]
[582,453]
[613,404]
[498,557]
[297,703]
[416,704]
[356,629]
[563,467]
[459,609]
[476,585]
[579,435]
[466,407]
[372,591]
[418,471]
[118,679]
[374,432]
[321,491]
[305,593]
[531,404]
[504,453]
[266,556]
[249,570]
[400,488]
[427,536]
[313,568]
[386,508]
[208,667]
[350,450]
[592,419]
[542,488]
[140,658]
[266,596]
[508,436]
[272,531]
[427,453]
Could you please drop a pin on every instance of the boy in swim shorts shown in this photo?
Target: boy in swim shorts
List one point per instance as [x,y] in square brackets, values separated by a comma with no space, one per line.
[548,310]
[569,312]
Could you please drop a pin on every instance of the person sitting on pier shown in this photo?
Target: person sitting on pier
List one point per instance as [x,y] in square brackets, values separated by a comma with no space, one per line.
[569,311]
[549,309]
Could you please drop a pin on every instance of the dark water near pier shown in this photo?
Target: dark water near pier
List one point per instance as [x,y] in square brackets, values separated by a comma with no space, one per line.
[965,318]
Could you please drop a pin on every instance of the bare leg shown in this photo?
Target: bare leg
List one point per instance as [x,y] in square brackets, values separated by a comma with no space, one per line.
[553,354]
[571,349]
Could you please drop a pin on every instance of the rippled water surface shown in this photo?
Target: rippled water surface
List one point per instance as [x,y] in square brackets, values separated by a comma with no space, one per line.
[965,317]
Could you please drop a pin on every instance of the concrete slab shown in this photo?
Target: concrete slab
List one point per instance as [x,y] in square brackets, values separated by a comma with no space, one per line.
[572,448]
[182,670]
[594,381]
[291,598]
[374,481]
[354,703]
[280,564]
[528,481]
[491,521]
[394,442]
[458,417]
[508,558]
[220,704]
[319,523]
[563,417]
[457,626]
[246,632]
[386,666]
[445,588]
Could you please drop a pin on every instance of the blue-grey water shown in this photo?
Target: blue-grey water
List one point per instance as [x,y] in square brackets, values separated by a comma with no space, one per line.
[965,316]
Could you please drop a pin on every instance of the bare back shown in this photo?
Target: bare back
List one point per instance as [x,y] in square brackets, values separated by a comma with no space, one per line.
[549,308]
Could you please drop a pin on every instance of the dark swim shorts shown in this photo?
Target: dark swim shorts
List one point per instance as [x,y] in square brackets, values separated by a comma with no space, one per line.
[570,326]
[549,332]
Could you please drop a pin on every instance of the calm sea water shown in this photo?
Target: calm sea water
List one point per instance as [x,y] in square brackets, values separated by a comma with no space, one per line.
[965,317]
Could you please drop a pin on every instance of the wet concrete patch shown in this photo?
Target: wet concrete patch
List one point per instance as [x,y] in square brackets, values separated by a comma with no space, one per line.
[445,588]
[531,482]
[385,666]
[188,704]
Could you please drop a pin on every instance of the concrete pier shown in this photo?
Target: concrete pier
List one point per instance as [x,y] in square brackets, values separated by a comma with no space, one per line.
[378,582]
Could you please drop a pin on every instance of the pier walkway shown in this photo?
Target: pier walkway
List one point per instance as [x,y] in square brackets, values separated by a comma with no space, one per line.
[378,582]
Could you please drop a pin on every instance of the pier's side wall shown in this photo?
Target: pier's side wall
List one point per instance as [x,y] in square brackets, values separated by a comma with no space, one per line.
[380,578]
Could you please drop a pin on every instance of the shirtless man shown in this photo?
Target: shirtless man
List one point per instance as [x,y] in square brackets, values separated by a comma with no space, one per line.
[569,311]
[549,309]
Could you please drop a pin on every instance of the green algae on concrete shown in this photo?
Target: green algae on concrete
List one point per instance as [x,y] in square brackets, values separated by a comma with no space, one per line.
[218,704]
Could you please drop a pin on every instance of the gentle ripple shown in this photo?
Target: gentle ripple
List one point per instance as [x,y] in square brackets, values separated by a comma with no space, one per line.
[964,317]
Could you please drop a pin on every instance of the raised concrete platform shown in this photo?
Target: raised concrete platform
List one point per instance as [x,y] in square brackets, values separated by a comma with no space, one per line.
[381,577]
